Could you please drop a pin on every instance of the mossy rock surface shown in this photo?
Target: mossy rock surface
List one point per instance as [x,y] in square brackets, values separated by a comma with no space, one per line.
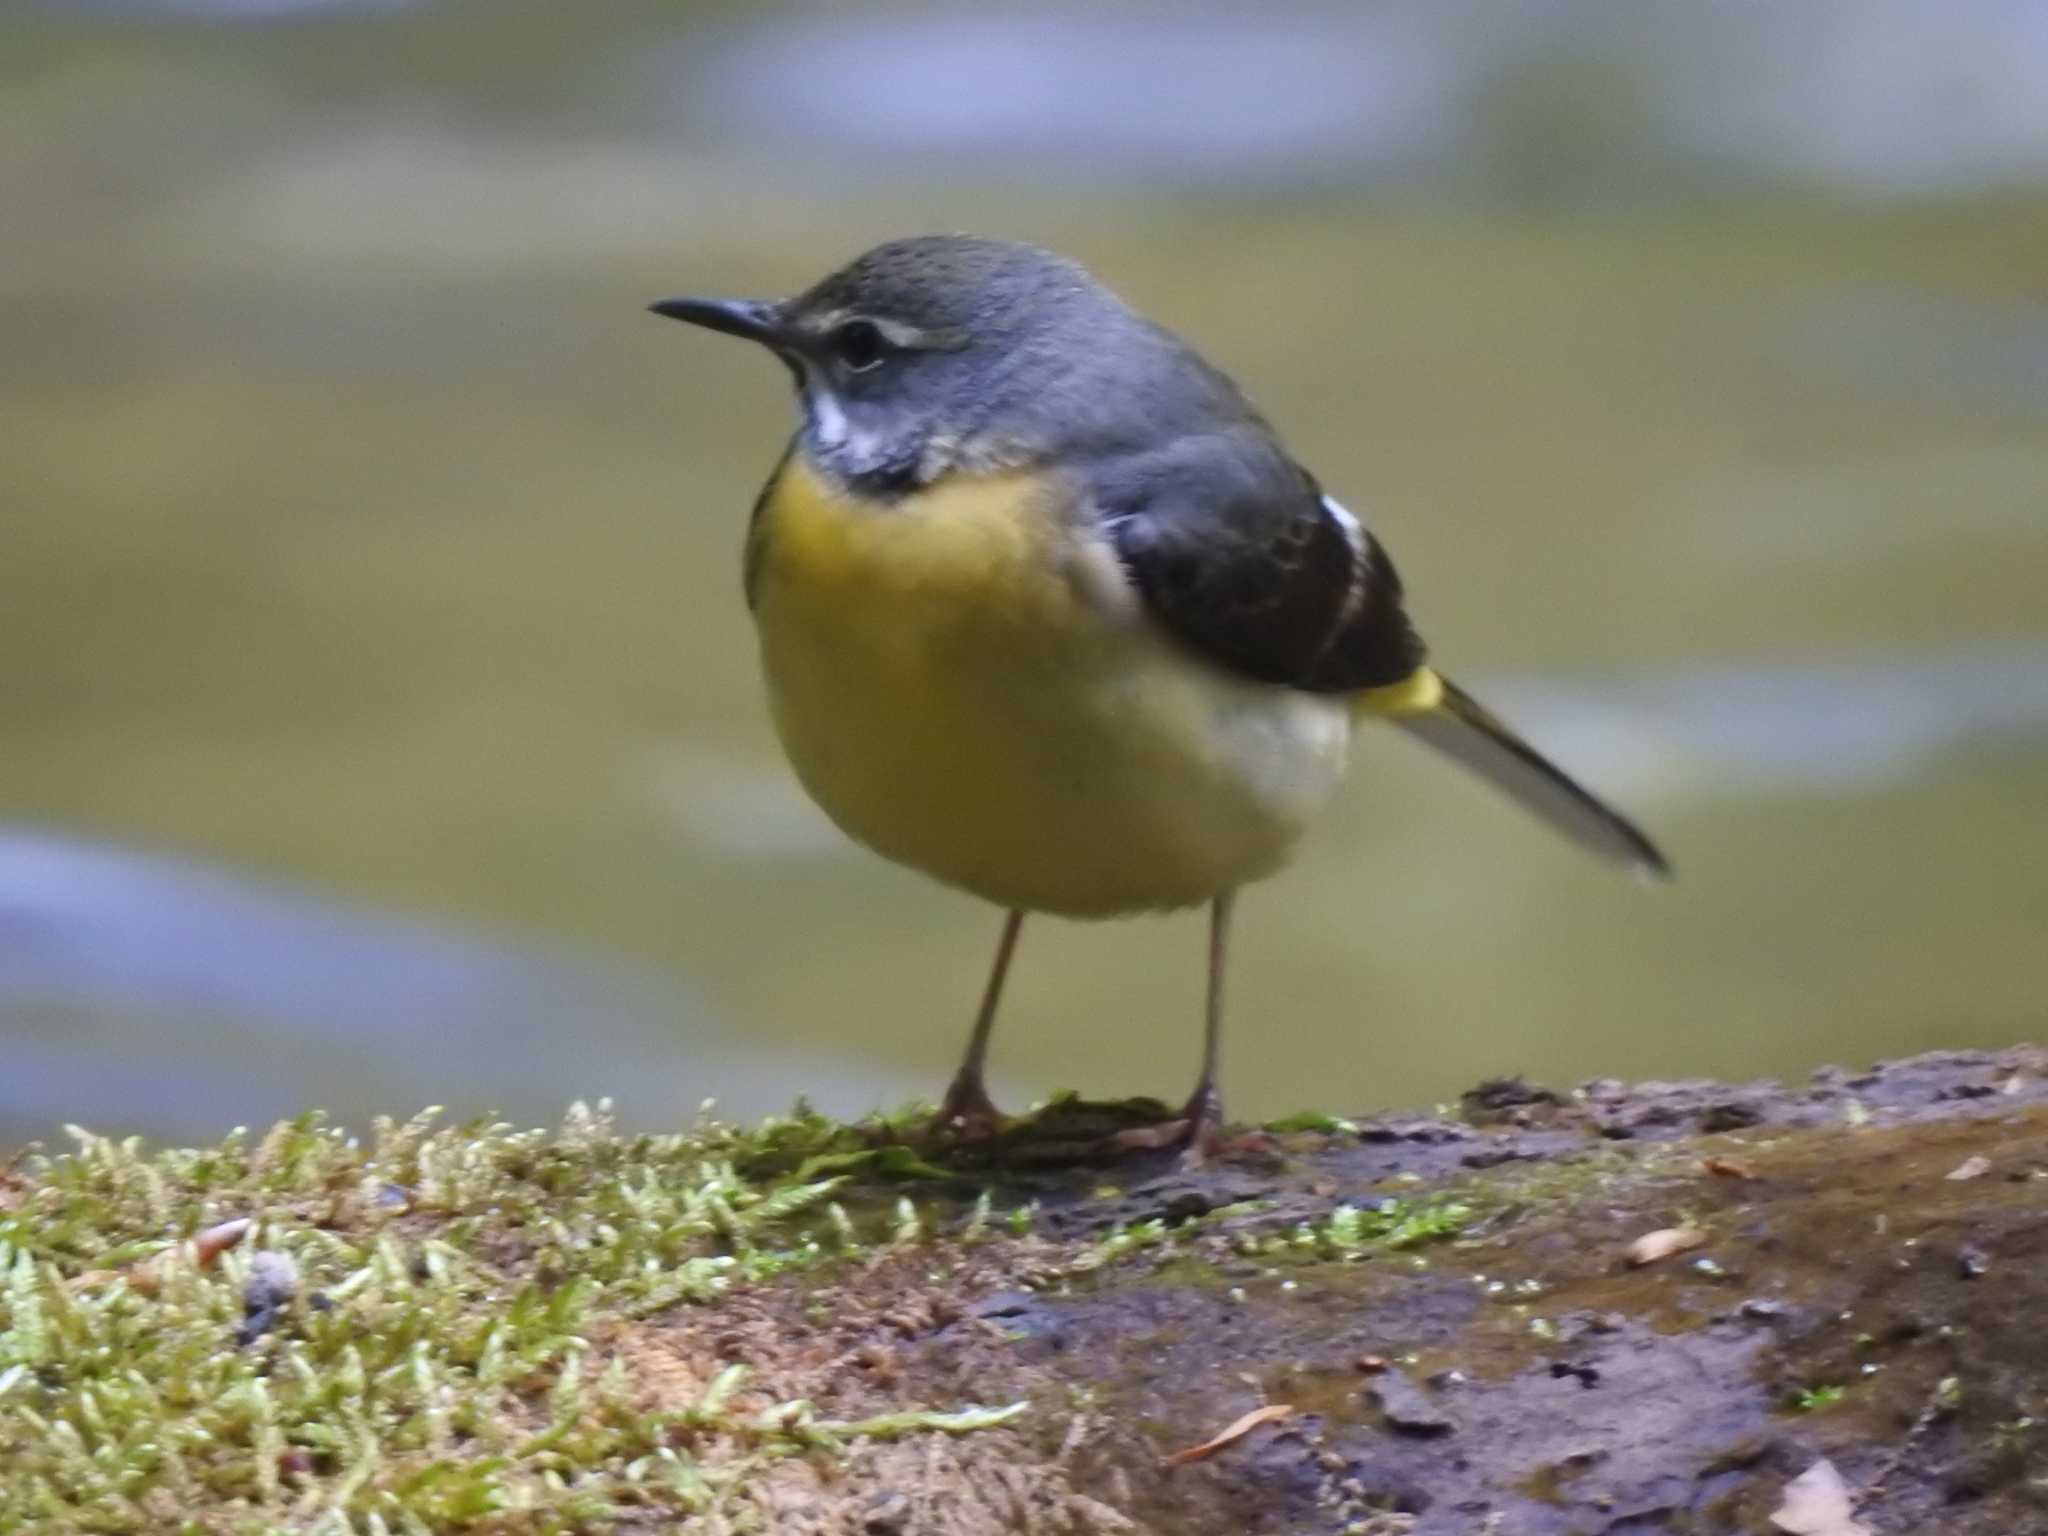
[807,1327]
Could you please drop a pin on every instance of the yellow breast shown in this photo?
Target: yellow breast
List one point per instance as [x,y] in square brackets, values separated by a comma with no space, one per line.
[947,551]
[957,686]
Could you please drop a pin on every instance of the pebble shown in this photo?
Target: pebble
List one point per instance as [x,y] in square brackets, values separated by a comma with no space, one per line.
[1408,1408]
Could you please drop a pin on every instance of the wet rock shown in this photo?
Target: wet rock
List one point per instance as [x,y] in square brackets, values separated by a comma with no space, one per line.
[1493,1157]
[1658,1114]
[1968,1091]
[1731,1115]
[1657,1403]
[1583,1371]
[1425,1131]
[1590,1325]
[1003,1304]
[1184,1196]
[1499,1094]
[1409,1409]
[888,1515]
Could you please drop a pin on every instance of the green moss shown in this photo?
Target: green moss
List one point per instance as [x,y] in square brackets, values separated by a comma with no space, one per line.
[1313,1120]
[1816,1398]
[432,1366]
[1189,1250]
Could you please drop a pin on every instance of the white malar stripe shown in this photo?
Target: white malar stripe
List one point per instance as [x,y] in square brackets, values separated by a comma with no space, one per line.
[833,430]
[828,420]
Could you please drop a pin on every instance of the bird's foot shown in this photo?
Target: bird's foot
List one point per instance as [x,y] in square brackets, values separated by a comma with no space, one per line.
[967,1113]
[1197,1132]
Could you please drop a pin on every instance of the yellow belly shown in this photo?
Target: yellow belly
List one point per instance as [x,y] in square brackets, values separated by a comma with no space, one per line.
[954,690]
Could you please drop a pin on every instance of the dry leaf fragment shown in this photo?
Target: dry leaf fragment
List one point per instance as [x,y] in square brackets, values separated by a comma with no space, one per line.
[146,1277]
[1816,1503]
[217,1240]
[1663,1243]
[1236,1430]
[1970,1168]
[1728,1168]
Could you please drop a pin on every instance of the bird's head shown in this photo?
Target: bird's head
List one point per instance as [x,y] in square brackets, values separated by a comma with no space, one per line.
[927,354]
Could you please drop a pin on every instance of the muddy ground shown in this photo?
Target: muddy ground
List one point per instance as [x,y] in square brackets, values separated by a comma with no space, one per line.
[1869,1286]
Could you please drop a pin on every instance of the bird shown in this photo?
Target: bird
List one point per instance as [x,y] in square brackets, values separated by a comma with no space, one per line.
[1048,611]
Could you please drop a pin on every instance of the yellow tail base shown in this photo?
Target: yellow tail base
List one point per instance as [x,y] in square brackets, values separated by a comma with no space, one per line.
[1417,694]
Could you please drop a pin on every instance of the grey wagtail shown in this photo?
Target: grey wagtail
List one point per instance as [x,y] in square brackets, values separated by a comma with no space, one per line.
[1048,611]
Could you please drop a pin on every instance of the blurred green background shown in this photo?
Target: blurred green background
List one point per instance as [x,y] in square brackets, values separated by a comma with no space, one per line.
[378,715]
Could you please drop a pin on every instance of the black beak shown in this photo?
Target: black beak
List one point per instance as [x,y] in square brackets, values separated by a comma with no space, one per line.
[752,319]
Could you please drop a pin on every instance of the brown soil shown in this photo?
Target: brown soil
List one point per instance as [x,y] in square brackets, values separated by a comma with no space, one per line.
[1851,1300]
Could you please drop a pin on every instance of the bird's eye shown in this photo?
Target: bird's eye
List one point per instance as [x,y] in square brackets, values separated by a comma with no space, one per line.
[859,344]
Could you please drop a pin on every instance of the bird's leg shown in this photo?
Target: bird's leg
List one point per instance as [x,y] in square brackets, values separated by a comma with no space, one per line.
[967,1108]
[1204,1112]
[1197,1130]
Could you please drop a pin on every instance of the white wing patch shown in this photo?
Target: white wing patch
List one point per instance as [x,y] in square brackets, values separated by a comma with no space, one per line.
[1354,530]
[1361,557]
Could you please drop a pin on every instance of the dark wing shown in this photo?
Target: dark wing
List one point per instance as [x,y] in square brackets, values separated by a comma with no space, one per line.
[1241,557]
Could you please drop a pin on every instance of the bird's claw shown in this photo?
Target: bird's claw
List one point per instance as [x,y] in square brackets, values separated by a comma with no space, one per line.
[967,1113]
[1197,1131]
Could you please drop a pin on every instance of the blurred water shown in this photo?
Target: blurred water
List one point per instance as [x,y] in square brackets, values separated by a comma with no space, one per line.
[360,536]
[166,996]
[1584,100]
[1790,729]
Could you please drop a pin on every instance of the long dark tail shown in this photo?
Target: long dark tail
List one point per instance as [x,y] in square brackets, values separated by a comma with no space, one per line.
[1435,710]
